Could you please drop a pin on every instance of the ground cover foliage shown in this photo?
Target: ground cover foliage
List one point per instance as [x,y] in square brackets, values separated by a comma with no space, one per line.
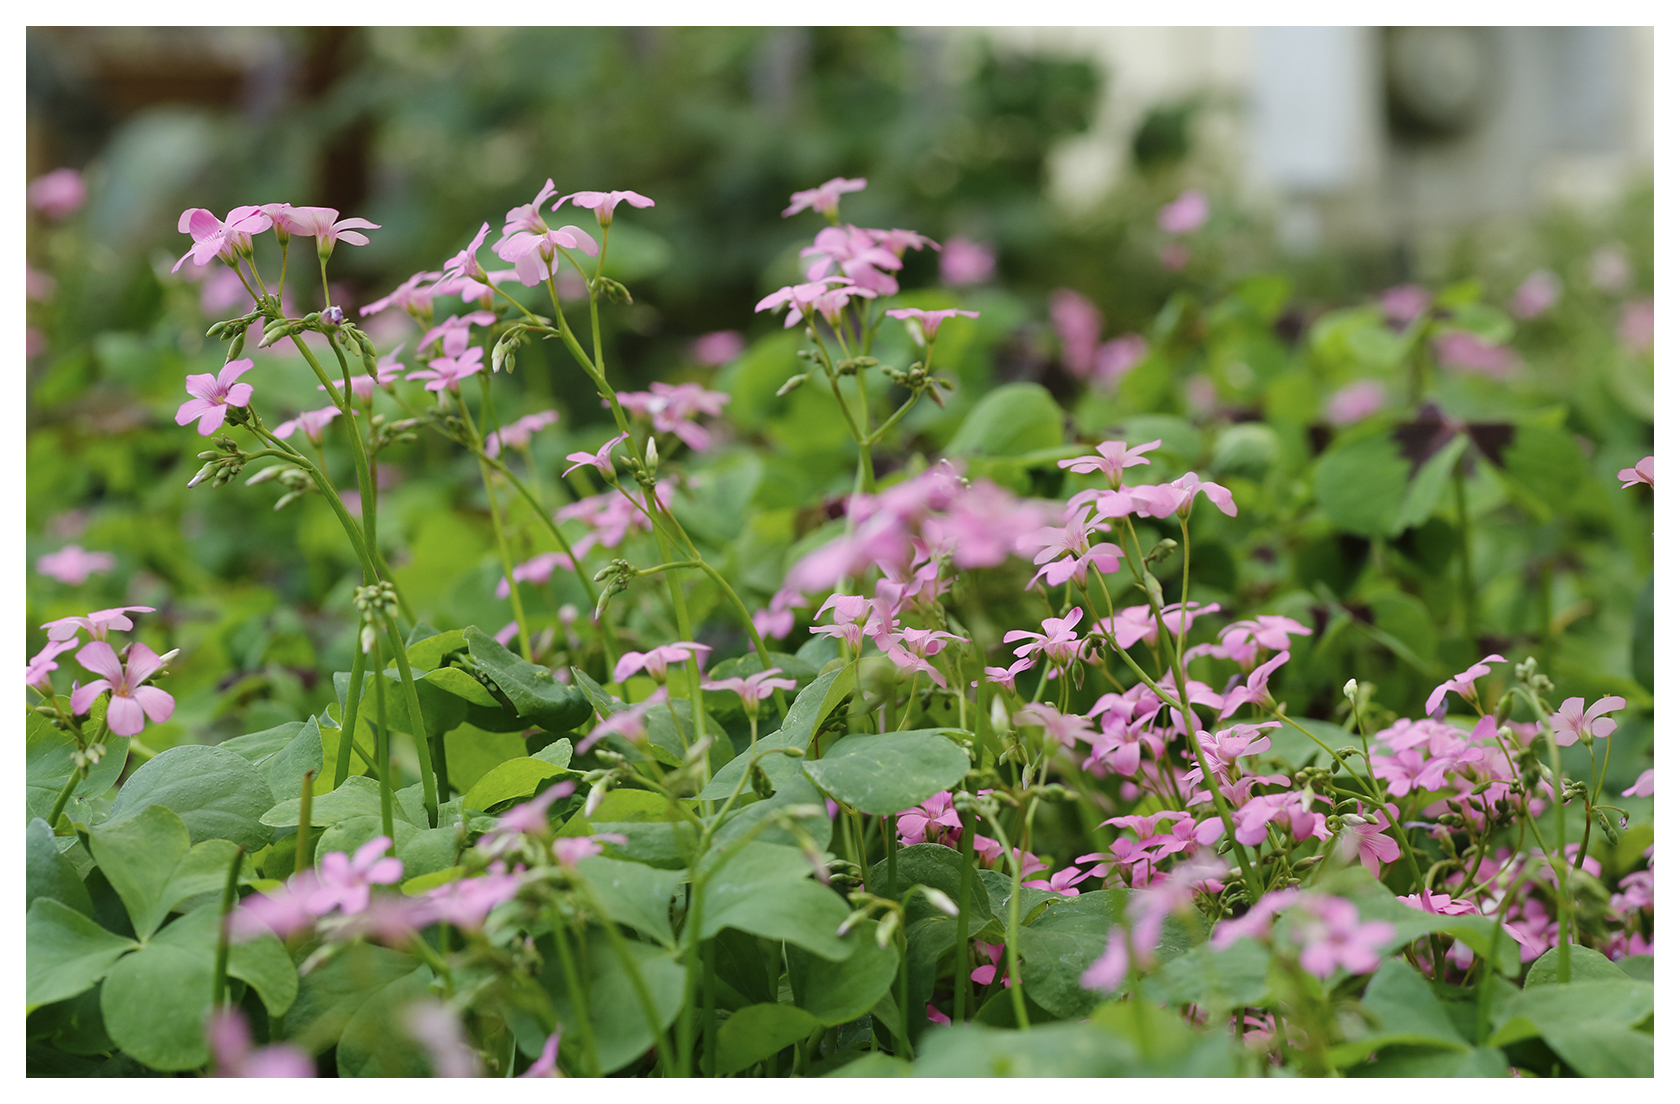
[947,682]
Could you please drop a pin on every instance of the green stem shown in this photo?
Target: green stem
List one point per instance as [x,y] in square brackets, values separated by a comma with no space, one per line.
[382,743]
[352,705]
[964,882]
[496,526]
[579,997]
[622,951]
[1467,581]
[708,1016]
[75,779]
[230,893]
[428,783]
[305,800]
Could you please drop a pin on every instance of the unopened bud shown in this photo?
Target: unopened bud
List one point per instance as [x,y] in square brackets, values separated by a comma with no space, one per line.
[939,900]
[884,933]
[761,781]
[369,636]
[596,796]
[1000,715]
[652,456]
[1350,691]
[793,384]
[850,922]
[203,473]
[332,316]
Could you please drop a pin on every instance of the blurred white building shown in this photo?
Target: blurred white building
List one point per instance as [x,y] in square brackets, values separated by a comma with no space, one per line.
[1374,132]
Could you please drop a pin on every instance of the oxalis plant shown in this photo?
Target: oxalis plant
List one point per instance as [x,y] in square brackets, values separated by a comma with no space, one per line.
[793,863]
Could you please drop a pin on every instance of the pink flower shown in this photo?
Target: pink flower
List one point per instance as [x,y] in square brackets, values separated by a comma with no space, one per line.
[464,265]
[1643,472]
[627,723]
[1355,402]
[312,422]
[600,459]
[44,662]
[98,623]
[910,650]
[1184,215]
[1467,352]
[1174,257]
[345,881]
[535,255]
[1254,923]
[1165,499]
[1064,728]
[964,262]
[468,902]
[212,395]
[320,223]
[548,1062]
[1404,304]
[918,824]
[755,687]
[1255,691]
[1078,325]
[803,298]
[214,238]
[1116,358]
[518,434]
[825,198]
[72,564]
[1610,268]
[282,910]
[602,203]
[132,703]
[530,818]
[1535,295]
[58,194]
[857,255]
[656,660]
[437,1028]
[456,331]
[673,408]
[537,569]
[1463,684]
[1366,839]
[1005,676]
[1063,882]
[1112,460]
[928,320]
[233,1055]
[1644,786]
[1109,970]
[413,294]
[571,850]
[1334,937]
[717,349]
[1570,724]
[1638,327]
[1058,643]
[446,372]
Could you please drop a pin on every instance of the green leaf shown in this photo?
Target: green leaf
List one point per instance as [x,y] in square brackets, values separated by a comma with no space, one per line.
[1426,487]
[155,1002]
[149,860]
[809,709]
[615,1014]
[620,806]
[535,693]
[1010,420]
[886,774]
[425,653]
[998,884]
[633,894]
[358,797]
[874,1064]
[760,1031]
[1552,1011]
[559,753]
[1406,1061]
[796,791]
[1585,964]
[67,952]
[332,992]
[1059,946]
[837,992]
[765,889]
[217,793]
[937,867]
[427,851]
[1541,467]
[348,835]
[514,779]
[376,1041]
[1217,981]
[1363,485]
[47,873]
[1048,1050]
[48,764]
[1407,1011]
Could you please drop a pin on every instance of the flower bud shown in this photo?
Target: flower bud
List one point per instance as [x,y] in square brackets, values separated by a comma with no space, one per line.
[332,316]
[369,636]
[1350,690]
[652,456]
[792,384]
[596,796]
[939,900]
[884,933]
[1000,715]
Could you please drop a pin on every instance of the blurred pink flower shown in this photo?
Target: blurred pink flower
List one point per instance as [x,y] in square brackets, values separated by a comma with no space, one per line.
[755,687]
[345,880]
[655,661]
[600,459]
[132,703]
[282,910]
[719,348]
[1116,358]
[212,395]
[825,198]
[964,262]
[1643,472]
[518,434]
[1109,970]
[1467,352]
[1638,326]
[571,850]
[1644,786]
[455,332]
[1404,304]
[436,1027]
[233,1056]
[537,569]
[1078,325]
[446,372]
[1610,268]
[1355,402]
[1536,295]
[72,565]
[858,257]
[312,422]
[1111,461]
[58,194]
[468,902]
[1463,683]
[1175,256]
[37,285]
[548,1062]
[673,408]
[1184,215]
[413,294]
[1334,937]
